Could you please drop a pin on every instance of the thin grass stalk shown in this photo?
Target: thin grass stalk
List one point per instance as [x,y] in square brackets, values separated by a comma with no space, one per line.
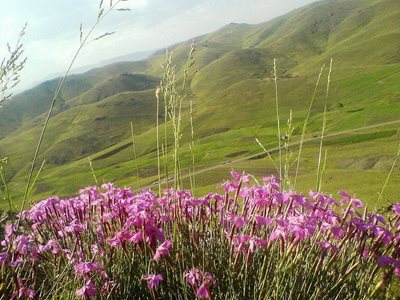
[319,167]
[10,68]
[189,63]
[134,155]
[92,171]
[36,178]
[319,171]
[158,139]
[288,154]
[388,178]
[305,125]
[269,155]
[178,136]
[55,97]
[277,120]
[165,147]
[6,192]
[165,165]
[323,169]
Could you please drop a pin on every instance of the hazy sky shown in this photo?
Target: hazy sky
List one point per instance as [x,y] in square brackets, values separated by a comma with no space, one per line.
[53,27]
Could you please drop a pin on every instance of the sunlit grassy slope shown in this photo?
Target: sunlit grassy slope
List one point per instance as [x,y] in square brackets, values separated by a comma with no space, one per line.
[233,96]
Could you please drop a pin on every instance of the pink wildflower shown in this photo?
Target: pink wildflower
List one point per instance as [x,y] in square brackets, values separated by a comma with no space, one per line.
[88,290]
[23,291]
[202,292]
[396,208]
[162,250]
[193,276]
[3,257]
[384,260]
[85,268]
[153,281]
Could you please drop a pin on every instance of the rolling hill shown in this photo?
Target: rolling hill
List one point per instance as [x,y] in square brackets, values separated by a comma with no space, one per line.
[232,88]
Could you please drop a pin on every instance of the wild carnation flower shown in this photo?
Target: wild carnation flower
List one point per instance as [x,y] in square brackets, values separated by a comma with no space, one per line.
[87,291]
[260,220]
[85,268]
[3,257]
[162,250]
[384,260]
[9,230]
[202,292]
[137,237]
[397,270]
[396,209]
[193,276]
[74,227]
[24,292]
[153,281]
[107,286]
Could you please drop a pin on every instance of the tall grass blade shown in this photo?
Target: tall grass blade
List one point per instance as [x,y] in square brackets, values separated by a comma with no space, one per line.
[92,171]
[388,178]
[134,155]
[55,97]
[6,193]
[36,178]
[319,170]
[269,155]
[303,132]
[278,120]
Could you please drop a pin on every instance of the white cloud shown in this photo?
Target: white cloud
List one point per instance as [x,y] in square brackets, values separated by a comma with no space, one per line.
[53,32]
[135,4]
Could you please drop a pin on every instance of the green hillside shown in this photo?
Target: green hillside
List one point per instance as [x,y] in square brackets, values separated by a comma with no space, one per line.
[233,96]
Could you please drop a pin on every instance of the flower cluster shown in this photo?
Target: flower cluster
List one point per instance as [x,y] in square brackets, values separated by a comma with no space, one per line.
[98,241]
[201,283]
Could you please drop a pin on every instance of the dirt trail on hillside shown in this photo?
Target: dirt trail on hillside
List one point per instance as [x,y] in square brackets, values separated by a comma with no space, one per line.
[271,150]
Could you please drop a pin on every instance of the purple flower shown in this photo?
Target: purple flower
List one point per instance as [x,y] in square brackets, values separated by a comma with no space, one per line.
[23,291]
[9,230]
[22,244]
[85,268]
[137,237]
[162,250]
[153,232]
[365,252]
[193,276]
[3,257]
[383,234]
[74,227]
[153,281]
[210,279]
[328,246]
[272,183]
[52,246]
[107,286]
[202,292]
[260,220]
[16,262]
[239,221]
[396,208]
[87,291]
[397,270]
[384,260]
[114,241]
[356,203]
[337,232]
